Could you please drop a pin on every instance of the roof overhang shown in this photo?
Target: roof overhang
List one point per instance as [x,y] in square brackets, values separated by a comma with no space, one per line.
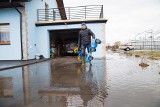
[68,22]
[12,3]
[61,9]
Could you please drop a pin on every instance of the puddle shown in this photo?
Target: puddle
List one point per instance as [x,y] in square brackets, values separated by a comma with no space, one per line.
[117,81]
[53,84]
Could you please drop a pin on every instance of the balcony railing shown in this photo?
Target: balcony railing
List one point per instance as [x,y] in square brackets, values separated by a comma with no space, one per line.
[70,13]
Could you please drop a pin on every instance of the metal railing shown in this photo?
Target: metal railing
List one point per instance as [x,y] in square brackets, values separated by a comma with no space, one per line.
[70,13]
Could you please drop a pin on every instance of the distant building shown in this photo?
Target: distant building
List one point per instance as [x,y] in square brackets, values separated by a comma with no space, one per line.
[30,27]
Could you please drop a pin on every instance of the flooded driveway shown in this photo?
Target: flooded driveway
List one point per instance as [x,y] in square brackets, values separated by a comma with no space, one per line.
[117,81]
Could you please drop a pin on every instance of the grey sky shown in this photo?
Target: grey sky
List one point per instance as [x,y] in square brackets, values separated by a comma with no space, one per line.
[126,18]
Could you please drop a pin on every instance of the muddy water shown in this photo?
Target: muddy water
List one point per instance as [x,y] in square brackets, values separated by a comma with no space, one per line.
[117,81]
[130,85]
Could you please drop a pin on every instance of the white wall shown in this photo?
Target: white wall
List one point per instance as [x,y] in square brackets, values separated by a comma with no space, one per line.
[38,35]
[43,37]
[10,15]
[13,51]
[31,9]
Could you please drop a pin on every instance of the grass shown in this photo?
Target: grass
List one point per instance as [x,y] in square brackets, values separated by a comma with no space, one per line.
[151,55]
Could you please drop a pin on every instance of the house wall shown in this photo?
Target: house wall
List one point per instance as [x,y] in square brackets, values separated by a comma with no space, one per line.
[10,15]
[13,51]
[37,38]
[43,37]
[31,11]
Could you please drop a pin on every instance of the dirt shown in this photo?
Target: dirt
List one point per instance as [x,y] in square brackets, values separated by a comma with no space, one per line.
[137,55]
[143,64]
[151,55]
[152,58]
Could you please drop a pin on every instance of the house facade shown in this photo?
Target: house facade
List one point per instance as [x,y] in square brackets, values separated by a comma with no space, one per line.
[31,27]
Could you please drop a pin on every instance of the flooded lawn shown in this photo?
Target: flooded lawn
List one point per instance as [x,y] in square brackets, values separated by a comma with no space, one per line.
[118,81]
[129,85]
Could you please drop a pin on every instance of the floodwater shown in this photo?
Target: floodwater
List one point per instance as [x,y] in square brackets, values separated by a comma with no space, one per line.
[117,81]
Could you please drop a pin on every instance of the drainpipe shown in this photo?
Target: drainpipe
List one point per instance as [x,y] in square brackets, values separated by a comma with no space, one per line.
[20,32]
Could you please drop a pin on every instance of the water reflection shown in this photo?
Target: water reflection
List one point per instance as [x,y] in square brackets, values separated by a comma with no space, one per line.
[130,85]
[73,86]
[6,87]
[55,85]
[119,82]
[26,85]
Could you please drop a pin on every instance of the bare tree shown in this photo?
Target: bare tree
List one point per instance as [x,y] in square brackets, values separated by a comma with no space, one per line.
[116,44]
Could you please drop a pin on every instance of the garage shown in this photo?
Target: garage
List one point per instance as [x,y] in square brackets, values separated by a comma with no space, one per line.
[63,42]
[53,35]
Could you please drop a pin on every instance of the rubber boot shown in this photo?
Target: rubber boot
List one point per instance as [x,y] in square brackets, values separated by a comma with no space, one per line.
[90,63]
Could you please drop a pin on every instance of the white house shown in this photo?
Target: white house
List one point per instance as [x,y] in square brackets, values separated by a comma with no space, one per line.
[30,27]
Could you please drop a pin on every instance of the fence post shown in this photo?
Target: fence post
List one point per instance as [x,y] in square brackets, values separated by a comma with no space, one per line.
[54,17]
[85,12]
[37,15]
[69,12]
[151,41]
[102,12]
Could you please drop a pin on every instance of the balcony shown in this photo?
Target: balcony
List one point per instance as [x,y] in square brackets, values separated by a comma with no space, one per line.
[70,13]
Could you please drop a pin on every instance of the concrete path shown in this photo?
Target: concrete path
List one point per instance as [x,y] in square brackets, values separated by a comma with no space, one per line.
[4,64]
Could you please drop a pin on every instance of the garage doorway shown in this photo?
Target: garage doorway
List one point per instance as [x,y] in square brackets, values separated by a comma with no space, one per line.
[63,42]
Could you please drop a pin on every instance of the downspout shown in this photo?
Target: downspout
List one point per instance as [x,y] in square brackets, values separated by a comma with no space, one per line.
[20,32]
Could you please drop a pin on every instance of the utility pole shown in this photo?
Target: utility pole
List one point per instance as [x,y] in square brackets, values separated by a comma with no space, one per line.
[151,42]
[135,39]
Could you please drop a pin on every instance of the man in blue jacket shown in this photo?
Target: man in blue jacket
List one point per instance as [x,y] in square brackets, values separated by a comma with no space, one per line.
[84,40]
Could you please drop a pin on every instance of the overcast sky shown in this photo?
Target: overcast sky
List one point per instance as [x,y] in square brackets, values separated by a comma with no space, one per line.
[126,18]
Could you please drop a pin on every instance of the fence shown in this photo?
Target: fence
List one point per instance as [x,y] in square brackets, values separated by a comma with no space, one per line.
[146,44]
[70,13]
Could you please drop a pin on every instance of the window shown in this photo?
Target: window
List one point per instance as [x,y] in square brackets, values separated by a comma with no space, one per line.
[4,34]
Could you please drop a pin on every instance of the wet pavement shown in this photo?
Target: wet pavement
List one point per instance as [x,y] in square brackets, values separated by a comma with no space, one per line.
[118,81]
[9,64]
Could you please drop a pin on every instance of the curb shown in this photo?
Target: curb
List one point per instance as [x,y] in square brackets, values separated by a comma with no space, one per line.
[16,66]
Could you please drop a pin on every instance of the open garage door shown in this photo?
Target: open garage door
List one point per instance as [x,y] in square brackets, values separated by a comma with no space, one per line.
[63,42]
